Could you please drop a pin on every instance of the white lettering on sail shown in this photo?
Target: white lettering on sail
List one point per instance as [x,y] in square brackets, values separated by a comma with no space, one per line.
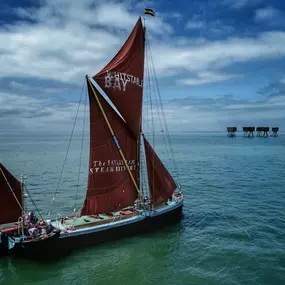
[118,80]
[103,166]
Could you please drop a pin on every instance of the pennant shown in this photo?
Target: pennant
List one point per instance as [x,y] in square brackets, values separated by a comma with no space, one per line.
[149,12]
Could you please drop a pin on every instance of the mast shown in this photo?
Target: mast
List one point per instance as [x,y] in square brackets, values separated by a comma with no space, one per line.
[140,131]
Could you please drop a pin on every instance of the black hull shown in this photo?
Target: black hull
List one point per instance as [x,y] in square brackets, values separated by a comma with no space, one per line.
[3,244]
[57,248]
[4,251]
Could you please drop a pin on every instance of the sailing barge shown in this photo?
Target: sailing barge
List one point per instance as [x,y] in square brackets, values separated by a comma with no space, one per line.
[16,227]
[115,203]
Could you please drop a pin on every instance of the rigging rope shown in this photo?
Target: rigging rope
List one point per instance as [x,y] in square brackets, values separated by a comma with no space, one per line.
[158,111]
[80,161]
[56,190]
[163,116]
[33,202]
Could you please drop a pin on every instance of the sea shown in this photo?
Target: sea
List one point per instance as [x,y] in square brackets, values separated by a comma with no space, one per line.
[232,230]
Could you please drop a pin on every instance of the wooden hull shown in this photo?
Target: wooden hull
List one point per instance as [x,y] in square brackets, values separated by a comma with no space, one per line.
[67,243]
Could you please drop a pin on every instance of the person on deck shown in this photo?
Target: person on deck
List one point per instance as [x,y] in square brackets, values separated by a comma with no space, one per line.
[33,232]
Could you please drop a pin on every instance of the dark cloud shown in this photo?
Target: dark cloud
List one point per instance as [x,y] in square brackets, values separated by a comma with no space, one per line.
[10,112]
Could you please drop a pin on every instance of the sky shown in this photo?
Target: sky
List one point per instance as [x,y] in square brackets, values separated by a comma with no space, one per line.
[218,63]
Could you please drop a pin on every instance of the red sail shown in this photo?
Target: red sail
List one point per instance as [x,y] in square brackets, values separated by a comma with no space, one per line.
[10,211]
[110,187]
[161,184]
[122,78]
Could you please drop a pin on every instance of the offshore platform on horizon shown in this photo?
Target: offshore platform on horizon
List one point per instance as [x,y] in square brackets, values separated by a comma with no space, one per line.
[249,131]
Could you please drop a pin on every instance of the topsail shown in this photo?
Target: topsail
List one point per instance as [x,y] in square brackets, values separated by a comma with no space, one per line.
[122,78]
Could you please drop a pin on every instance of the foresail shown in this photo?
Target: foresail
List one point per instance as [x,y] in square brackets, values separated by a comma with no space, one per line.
[110,187]
[10,211]
[161,183]
[122,78]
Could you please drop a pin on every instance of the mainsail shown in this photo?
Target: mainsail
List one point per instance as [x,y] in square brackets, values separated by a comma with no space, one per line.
[110,187]
[122,78]
[161,183]
[10,210]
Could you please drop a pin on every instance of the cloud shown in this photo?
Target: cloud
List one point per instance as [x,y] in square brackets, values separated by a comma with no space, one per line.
[61,41]
[195,24]
[204,114]
[282,80]
[210,29]
[175,15]
[64,40]
[28,87]
[32,114]
[206,77]
[266,14]
[274,92]
[238,4]
[270,103]
[214,56]
[28,114]
[219,28]
[84,12]
[114,14]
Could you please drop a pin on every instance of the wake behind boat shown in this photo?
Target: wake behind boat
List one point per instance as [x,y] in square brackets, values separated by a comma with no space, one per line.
[129,190]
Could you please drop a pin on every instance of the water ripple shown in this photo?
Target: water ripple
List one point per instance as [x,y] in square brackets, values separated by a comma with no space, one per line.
[232,232]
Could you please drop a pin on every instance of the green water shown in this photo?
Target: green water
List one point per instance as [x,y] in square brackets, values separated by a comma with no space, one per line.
[232,232]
